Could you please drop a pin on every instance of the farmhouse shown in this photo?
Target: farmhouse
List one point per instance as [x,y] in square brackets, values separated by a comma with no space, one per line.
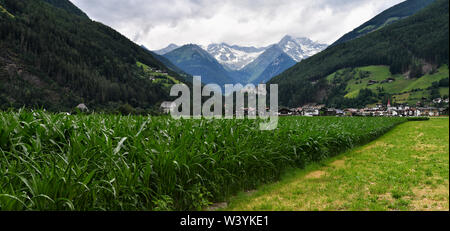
[428,111]
[328,112]
[297,111]
[437,100]
[388,80]
[285,111]
[350,111]
[312,110]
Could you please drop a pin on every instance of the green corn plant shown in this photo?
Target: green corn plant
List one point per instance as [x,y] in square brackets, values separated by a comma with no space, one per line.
[110,162]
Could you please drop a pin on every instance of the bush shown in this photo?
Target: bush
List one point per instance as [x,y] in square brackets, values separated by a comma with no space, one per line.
[418,118]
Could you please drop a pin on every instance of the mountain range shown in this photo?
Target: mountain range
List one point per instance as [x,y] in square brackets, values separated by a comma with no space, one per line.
[404,62]
[54,56]
[241,64]
[197,62]
[233,57]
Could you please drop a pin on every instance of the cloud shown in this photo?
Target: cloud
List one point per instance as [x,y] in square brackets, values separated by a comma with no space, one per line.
[157,23]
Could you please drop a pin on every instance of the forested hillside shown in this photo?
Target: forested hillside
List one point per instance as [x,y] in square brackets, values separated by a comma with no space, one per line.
[53,56]
[387,17]
[67,6]
[168,64]
[413,47]
[197,62]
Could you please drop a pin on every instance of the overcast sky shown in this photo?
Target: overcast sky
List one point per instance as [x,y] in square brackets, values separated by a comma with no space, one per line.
[157,23]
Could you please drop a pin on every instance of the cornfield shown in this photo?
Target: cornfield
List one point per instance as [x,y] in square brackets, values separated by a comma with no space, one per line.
[110,162]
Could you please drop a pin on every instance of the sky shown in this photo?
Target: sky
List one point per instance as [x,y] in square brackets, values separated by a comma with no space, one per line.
[158,23]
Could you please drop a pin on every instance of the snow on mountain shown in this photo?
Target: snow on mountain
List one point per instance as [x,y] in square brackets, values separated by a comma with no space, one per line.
[233,57]
[300,48]
[246,64]
[237,57]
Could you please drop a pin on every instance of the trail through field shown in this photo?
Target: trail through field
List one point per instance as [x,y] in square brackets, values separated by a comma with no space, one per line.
[406,169]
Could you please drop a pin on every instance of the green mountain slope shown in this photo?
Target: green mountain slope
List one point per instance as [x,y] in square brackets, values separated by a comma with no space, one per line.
[168,64]
[380,81]
[256,68]
[412,47]
[195,61]
[67,6]
[56,59]
[387,17]
[280,64]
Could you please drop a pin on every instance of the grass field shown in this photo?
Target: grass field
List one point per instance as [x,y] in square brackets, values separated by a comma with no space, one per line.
[109,162]
[165,79]
[406,169]
[401,88]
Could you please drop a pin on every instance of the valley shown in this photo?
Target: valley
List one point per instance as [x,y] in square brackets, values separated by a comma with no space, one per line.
[240,64]
[403,51]
[87,120]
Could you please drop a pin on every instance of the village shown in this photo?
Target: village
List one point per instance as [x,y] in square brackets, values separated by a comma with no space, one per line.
[426,107]
[378,110]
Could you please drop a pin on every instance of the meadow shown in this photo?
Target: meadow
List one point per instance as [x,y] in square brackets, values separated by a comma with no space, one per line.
[111,162]
[404,90]
[406,169]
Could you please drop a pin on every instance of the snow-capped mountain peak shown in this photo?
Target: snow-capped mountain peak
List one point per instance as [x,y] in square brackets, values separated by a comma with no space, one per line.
[233,57]
[300,48]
